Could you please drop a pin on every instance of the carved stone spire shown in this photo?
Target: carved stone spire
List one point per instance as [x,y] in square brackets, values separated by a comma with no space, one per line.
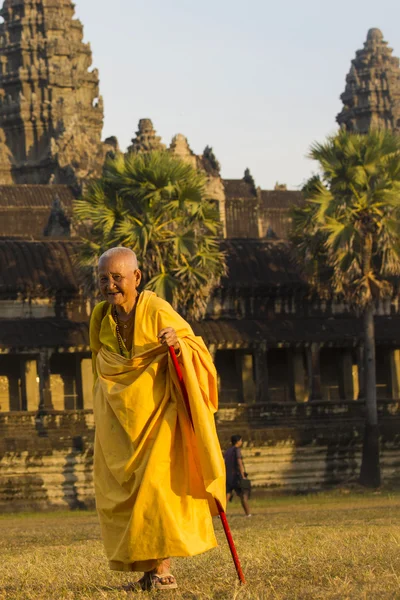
[372,94]
[248,178]
[210,162]
[206,163]
[50,107]
[180,147]
[146,138]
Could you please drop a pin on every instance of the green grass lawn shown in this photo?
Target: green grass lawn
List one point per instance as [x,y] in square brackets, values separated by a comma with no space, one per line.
[323,546]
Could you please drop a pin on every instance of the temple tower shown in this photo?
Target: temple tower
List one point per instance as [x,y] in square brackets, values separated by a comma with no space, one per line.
[372,94]
[50,109]
[146,138]
[180,148]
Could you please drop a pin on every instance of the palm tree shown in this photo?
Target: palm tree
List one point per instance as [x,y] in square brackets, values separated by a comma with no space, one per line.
[348,235]
[155,204]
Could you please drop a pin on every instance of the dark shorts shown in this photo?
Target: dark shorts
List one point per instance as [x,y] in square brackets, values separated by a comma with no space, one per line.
[234,486]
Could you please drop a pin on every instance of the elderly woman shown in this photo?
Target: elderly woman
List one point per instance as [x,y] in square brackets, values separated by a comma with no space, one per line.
[155,474]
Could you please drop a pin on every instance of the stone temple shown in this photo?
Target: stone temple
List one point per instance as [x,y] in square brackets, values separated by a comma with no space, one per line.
[372,94]
[51,114]
[290,364]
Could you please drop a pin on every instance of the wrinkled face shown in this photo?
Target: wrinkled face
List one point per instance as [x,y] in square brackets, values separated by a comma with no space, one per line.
[118,279]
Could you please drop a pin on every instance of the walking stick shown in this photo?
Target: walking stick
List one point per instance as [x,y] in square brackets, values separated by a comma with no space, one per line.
[221,511]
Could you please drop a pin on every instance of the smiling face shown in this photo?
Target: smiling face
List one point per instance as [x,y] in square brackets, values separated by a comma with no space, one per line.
[119,278]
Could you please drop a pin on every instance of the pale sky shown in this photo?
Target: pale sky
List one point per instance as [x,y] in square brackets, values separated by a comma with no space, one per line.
[259,81]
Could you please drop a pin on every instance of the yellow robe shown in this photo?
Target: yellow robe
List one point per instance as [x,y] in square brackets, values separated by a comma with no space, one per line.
[155,478]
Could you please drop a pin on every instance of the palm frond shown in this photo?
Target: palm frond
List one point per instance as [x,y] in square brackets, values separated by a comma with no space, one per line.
[155,204]
[164,285]
[349,227]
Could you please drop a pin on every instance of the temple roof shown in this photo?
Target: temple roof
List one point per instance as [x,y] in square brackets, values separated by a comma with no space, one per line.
[25,209]
[340,331]
[34,196]
[257,214]
[238,188]
[38,269]
[237,333]
[280,199]
[45,268]
[32,334]
[260,263]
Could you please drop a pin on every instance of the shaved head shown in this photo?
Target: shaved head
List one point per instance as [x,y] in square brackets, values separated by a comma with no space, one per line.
[119,278]
[119,252]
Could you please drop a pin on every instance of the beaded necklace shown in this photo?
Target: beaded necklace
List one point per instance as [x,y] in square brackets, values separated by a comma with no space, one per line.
[118,326]
[119,337]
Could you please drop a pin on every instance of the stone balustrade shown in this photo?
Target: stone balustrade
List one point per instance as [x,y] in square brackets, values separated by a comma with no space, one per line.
[46,458]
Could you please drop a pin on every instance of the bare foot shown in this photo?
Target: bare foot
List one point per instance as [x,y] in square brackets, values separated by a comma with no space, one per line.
[163,567]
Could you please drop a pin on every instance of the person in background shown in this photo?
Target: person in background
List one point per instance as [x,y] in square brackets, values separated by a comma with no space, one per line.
[236,476]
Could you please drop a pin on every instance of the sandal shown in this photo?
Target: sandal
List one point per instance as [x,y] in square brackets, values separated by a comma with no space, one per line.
[152,581]
[156,581]
[136,586]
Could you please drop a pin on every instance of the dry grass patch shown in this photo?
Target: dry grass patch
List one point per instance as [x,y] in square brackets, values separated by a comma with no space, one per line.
[321,547]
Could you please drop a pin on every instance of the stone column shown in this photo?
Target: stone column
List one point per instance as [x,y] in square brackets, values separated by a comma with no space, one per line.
[249,387]
[4,394]
[212,348]
[300,389]
[356,381]
[261,374]
[348,382]
[72,382]
[14,383]
[361,372]
[314,372]
[395,374]
[84,384]
[29,384]
[78,385]
[14,389]
[23,402]
[43,366]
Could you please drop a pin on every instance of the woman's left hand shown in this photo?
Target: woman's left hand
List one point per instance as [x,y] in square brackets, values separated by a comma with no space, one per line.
[168,337]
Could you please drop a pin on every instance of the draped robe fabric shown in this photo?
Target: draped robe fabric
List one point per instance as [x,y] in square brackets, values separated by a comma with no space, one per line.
[155,478]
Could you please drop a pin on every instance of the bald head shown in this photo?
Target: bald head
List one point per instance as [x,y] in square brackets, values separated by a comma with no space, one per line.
[119,277]
[127,256]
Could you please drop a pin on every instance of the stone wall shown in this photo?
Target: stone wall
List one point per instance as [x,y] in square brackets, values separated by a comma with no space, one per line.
[46,461]
[312,446]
